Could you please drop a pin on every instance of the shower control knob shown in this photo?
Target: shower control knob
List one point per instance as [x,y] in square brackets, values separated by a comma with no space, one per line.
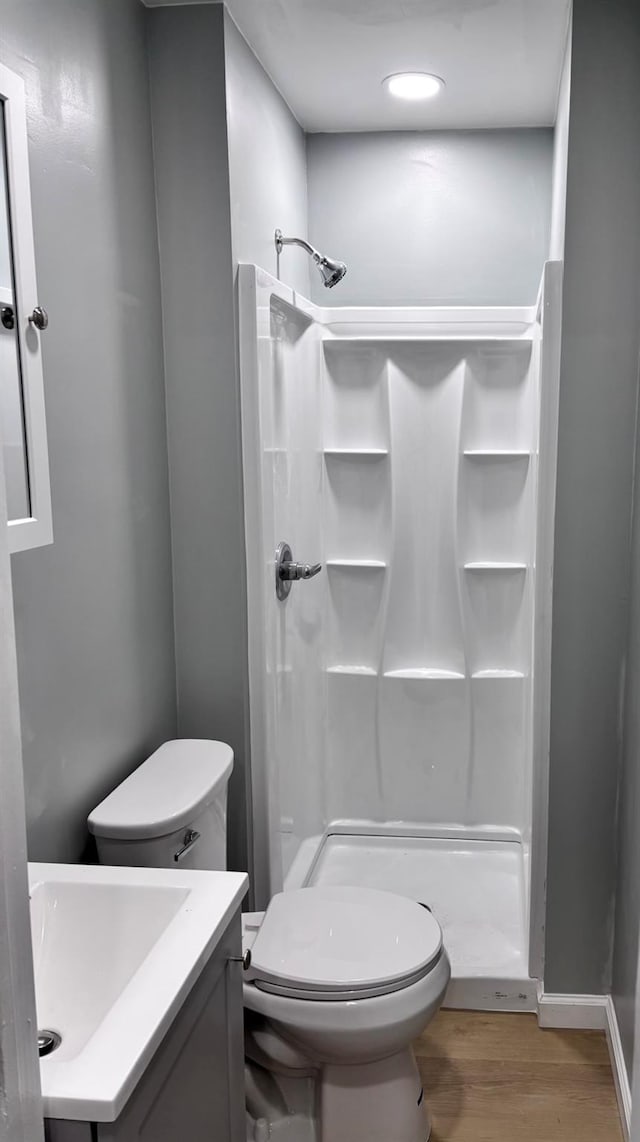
[299,570]
[288,571]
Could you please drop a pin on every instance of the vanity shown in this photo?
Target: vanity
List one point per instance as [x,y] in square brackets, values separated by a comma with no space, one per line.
[139,982]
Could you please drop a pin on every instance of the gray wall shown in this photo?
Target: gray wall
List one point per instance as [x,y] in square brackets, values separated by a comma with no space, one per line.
[625,948]
[598,392]
[94,610]
[186,46]
[432,218]
[267,166]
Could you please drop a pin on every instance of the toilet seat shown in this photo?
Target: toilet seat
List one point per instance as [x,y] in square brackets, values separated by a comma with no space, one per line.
[337,943]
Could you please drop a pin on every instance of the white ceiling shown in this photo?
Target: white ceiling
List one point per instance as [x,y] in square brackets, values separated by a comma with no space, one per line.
[500,59]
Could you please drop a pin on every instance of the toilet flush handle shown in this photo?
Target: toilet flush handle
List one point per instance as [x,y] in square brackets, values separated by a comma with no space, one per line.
[188,841]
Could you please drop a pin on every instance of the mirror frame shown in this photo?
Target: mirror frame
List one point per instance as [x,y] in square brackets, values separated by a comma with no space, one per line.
[35,530]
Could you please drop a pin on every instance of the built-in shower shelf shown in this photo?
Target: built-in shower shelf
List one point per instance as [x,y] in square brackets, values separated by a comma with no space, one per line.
[497,674]
[355,565]
[356,453]
[413,673]
[425,673]
[495,566]
[442,339]
[497,453]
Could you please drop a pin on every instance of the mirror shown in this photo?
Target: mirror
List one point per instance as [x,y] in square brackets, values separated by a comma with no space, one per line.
[12,423]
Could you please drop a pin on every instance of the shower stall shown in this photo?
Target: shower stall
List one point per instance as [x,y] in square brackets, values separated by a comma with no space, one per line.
[399,699]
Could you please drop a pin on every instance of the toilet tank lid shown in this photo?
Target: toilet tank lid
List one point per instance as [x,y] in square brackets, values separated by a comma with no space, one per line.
[166,792]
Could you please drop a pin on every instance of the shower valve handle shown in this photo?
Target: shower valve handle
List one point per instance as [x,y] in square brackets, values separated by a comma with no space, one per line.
[291,570]
[288,570]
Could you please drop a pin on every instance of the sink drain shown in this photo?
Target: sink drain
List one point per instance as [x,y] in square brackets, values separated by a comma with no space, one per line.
[48,1041]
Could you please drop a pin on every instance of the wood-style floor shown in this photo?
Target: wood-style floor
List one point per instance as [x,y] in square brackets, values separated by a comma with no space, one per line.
[499,1078]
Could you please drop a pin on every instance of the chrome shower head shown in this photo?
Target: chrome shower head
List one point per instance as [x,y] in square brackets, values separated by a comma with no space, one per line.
[330,271]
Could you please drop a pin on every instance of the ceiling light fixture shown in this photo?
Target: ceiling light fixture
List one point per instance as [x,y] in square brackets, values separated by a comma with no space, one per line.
[413,85]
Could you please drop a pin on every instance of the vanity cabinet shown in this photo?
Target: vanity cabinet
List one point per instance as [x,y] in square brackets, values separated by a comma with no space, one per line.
[194,1086]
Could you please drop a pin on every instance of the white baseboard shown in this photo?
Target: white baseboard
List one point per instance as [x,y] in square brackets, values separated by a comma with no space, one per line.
[592,1013]
[619,1068]
[573,1012]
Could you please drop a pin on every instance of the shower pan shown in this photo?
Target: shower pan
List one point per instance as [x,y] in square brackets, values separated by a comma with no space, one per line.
[399,700]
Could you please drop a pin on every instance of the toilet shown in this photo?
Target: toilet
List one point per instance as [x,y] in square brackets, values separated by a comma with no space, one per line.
[172,810]
[338,981]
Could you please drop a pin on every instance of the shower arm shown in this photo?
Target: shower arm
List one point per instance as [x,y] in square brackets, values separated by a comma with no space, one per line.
[282,241]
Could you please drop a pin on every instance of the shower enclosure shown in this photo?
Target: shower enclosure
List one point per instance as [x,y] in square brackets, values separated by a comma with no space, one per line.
[399,700]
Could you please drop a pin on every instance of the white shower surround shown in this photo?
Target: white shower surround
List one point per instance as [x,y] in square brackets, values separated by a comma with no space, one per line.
[392,698]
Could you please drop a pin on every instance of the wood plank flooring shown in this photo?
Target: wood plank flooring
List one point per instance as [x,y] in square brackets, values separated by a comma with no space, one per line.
[499,1078]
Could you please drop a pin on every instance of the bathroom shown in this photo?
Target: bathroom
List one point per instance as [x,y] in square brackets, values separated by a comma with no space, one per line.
[448,710]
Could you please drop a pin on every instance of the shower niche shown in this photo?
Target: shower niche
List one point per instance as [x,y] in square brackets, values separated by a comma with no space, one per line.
[397,700]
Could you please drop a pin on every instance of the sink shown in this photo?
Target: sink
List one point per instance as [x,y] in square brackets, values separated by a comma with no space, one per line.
[116,952]
[89,940]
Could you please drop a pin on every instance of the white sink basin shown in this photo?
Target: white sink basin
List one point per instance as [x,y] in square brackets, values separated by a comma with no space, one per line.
[116,952]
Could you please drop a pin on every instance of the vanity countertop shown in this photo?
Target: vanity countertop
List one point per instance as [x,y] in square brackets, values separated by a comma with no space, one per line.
[116,953]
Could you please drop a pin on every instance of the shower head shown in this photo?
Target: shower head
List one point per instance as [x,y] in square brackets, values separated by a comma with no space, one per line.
[330,271]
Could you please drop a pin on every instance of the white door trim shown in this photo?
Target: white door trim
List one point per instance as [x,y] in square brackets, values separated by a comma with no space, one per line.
[20,1104]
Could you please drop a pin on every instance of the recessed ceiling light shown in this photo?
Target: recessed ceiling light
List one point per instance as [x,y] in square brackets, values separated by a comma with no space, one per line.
[413,85]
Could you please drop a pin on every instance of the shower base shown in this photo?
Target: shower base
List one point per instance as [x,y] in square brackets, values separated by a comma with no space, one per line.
[475,888]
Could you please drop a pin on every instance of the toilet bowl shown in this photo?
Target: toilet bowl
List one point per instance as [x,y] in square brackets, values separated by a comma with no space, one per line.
[339,982]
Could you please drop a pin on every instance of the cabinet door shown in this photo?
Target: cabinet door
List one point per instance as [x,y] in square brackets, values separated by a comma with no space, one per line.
[194,1086]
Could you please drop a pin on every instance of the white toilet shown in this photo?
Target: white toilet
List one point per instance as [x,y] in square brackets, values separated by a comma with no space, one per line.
[338,981]
[172,810]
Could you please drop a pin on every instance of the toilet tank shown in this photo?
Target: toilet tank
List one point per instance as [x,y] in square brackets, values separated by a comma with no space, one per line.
[171,812]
